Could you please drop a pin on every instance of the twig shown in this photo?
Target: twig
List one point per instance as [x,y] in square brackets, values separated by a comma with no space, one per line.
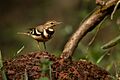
[115,9]
[101,57]
[88,25]
[25,75]
[93,39]
[111,43]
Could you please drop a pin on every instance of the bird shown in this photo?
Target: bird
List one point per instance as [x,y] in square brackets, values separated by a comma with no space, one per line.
[43,32]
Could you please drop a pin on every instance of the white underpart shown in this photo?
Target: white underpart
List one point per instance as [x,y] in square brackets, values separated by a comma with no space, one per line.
[45,33]
[37,32]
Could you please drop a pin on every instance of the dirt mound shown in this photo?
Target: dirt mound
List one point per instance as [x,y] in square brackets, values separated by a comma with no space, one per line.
[35,65]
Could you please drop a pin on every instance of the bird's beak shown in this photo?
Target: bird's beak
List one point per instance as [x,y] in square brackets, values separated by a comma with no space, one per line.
[59,22]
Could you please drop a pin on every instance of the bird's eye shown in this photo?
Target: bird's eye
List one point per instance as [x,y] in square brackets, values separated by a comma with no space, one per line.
[51,23]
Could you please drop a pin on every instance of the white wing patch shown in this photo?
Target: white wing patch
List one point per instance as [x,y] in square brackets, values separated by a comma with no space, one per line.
[37,32]
[45,33]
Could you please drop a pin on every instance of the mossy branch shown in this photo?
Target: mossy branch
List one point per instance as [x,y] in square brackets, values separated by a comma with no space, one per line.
[88,25]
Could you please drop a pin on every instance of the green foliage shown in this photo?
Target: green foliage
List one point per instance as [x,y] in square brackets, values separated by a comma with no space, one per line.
[1,68]
[43,78]
[46,68]
[45,63]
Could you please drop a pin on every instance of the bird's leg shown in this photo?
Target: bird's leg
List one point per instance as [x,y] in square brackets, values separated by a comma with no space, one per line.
[38,44]
[44,45]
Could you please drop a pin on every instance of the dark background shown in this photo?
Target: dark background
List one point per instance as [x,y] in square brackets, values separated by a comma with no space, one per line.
[18,15]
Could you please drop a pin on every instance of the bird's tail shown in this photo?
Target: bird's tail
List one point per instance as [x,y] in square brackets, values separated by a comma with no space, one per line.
[23,33]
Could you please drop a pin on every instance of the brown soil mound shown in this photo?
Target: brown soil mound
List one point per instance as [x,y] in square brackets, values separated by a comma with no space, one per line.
[41,64]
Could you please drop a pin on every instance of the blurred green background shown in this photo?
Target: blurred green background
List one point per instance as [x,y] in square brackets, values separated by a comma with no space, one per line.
[19,15]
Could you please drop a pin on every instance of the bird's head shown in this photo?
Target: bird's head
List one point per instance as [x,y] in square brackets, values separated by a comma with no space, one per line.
[51,24]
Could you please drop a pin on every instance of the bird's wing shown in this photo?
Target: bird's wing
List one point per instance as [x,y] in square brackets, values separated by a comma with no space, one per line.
[40,28]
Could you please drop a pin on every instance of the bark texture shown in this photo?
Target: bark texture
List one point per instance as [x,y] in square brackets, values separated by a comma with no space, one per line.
[88,25]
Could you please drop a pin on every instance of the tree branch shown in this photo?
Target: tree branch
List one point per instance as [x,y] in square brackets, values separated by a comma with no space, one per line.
[89,24]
